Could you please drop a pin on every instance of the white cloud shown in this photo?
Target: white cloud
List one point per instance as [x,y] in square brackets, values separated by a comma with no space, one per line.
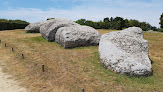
[140,11]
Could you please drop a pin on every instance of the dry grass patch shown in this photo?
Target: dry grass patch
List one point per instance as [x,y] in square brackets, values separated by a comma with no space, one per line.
[69,70]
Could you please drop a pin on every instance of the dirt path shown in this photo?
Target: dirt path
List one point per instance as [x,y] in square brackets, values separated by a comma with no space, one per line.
[9,85]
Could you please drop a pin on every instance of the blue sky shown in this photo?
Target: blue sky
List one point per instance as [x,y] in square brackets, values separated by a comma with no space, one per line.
[37,10]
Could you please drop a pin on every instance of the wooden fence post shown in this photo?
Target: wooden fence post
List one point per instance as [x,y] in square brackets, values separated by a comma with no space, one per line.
[5,45]
[83,90]
[23,56]
[12,49]
[43,68]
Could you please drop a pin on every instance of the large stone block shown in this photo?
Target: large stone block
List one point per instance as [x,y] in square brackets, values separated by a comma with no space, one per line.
[75,36]
[49,30]
[125,52]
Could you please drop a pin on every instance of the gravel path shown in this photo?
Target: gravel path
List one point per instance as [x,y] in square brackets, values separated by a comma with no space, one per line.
[9,85]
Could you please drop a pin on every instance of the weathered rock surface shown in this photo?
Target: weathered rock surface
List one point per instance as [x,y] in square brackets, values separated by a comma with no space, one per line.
[49,30]
[35,27]
[75,36]
[125,52]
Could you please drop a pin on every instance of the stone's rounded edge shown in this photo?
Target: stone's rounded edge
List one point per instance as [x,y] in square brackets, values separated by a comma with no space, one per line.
[49,30]
[77,36]
[133,29]
[58,37]
[108,59]
[28,28]
[43,32]
[31,28]
[35,27]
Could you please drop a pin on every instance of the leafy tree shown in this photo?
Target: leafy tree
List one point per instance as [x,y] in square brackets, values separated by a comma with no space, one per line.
[106,20]
[97,25]
[81,21]
[161,21]
[116,23]
[148,26]
[118,19]
[135,23]
[102,24]
[126,23]
[89,23]
[120,22]
[144,26]
[111,19]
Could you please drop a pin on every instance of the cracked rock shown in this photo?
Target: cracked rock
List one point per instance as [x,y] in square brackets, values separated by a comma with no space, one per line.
[75,36]
[49,30]
[125,52]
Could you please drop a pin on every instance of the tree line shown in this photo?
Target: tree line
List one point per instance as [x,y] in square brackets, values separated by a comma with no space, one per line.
[12,24]
[161,23]
[117,23]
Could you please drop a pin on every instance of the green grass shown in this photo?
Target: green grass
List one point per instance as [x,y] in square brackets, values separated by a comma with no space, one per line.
[38,39]
[78,67]
[130,82]
[41,39]
[97,69]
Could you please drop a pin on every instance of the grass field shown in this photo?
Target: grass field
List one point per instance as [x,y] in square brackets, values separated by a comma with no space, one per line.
[70,70]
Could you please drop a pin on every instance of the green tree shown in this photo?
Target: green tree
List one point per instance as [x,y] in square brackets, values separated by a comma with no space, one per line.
[119,23]
[135,23]
[106,20]
[106,24]
[161,21]
[111,19]
[81,21]
[89,23]
[97,25]
[144,26]
[116,23]
[126,23]
[102,24]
